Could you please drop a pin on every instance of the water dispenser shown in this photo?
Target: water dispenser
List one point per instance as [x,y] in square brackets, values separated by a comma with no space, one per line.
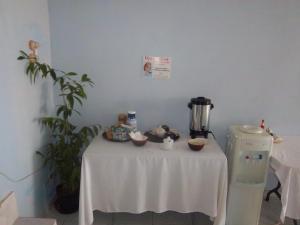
[248,150]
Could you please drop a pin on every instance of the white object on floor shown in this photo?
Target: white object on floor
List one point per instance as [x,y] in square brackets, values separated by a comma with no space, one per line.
[285,160]
[121,178]
[34,221]
[8,210]
[248,161]
[9,214]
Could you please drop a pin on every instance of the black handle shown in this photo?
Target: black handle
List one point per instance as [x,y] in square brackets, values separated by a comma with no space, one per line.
[190,105]
[212,106]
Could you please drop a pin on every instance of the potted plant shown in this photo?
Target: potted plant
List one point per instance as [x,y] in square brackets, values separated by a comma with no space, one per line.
[63,152]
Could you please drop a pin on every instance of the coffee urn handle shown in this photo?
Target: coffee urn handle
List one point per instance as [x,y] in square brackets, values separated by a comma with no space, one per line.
[190,105]
[212,106]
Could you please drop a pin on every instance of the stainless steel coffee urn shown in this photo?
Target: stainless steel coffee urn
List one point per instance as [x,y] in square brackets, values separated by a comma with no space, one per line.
[199,117]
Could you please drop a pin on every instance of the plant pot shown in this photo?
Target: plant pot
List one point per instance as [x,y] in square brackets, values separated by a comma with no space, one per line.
[66,202]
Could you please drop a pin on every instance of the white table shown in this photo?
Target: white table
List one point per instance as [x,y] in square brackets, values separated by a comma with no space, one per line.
[285,160]
[119,177]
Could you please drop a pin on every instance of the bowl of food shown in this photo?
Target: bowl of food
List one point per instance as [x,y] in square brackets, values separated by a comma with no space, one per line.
[138,139]
[196,144]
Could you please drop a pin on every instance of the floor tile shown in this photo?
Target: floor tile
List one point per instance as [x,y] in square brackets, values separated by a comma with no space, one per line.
[200,219]
[62,219]
[270,212]
[172,218]
[132,219]
[101,218]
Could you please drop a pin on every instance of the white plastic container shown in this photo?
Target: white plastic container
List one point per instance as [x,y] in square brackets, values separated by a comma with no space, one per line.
[167,143]
[132,119]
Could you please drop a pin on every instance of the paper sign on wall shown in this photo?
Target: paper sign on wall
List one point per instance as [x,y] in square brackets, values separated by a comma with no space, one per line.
[157,67]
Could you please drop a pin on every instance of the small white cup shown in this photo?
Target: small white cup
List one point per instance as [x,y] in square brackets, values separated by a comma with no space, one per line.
[168,143]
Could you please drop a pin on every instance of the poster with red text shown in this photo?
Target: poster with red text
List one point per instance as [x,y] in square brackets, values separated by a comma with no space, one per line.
[157,67]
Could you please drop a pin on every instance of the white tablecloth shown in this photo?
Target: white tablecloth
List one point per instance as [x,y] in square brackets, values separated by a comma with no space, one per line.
[119,177]
[285,160]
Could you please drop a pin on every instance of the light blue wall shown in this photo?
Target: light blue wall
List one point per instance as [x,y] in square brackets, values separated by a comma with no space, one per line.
[22,103]
[244,55]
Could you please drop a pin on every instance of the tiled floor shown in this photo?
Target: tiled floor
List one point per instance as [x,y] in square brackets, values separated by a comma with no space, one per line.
[269,216]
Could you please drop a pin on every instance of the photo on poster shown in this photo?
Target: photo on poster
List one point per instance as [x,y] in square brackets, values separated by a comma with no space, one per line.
[157,67]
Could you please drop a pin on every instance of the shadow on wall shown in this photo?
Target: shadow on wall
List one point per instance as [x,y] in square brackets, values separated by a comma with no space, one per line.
[44,186]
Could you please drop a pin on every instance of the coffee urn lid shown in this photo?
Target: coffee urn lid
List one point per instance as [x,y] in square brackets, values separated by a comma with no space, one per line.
[201,101]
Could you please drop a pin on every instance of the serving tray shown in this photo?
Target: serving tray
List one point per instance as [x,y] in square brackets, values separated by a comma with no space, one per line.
[157,139]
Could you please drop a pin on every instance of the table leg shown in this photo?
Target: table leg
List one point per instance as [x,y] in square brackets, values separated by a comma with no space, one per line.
[112,219]
[152,219]
[275,190]
[193,218]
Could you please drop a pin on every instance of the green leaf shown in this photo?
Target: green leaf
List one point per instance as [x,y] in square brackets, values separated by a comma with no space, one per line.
[61,82]
[66,114]
[71,74]
[84,78]
[32,69]
[35,74]
[43,68]
[23,53]
[81,93]
[28,69]
[60,110]
[70,100]
[52,73]
[40,154]
[95,130]
[78,99]
[90,131]
[91,83]
[21,58]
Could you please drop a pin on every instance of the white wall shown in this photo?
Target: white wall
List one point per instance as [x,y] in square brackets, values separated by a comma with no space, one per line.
[22,103]
[244,55]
